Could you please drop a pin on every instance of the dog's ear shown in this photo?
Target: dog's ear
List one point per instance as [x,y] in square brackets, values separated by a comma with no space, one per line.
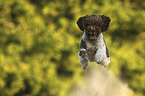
[105,23]
[80,23]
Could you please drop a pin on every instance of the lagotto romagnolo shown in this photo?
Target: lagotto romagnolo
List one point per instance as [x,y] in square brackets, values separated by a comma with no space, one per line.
[92,46]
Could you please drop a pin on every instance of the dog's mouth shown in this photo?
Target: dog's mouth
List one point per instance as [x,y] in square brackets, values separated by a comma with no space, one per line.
[92,36]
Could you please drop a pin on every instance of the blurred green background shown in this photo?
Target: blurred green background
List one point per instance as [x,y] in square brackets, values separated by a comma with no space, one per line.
[39,44]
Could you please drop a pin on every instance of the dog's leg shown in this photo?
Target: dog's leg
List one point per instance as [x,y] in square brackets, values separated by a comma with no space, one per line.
[102,58]
[99,56]
[82,59]
[82,55]
[106,61]
[83,62]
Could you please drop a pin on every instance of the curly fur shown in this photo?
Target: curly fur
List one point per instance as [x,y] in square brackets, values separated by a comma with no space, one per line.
[93,19]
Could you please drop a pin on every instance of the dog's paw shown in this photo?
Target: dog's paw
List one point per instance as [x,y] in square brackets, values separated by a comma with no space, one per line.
[82,53]
[105,62]
[98,60]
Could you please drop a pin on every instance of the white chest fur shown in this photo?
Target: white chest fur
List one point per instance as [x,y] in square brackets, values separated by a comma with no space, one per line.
[96,50]
[99,42]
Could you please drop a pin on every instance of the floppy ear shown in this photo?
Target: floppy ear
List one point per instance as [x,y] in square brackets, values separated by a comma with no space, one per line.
[105,23]
[80,23]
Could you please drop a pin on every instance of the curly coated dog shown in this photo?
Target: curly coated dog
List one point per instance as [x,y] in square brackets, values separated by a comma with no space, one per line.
[92,46]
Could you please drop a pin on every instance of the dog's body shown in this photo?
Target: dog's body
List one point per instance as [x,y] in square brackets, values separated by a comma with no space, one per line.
[92,46]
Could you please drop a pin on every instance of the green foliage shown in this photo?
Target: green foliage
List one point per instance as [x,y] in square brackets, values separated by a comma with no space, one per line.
[39,43]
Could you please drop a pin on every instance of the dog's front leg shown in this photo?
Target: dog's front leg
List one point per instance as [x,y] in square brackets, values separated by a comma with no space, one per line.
[101,58]
[82,58]
[83,54]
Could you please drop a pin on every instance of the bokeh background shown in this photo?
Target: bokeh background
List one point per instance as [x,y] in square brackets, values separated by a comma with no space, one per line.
[39,44]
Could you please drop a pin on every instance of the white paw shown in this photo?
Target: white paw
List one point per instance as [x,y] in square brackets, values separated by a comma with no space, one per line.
[105,62]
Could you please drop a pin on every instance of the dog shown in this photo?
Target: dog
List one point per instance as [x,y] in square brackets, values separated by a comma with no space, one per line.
[93,47]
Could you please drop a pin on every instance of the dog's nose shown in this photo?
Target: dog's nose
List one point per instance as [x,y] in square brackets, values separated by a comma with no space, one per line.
[92,31]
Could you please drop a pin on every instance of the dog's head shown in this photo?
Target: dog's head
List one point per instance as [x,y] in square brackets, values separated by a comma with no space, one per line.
[93,25]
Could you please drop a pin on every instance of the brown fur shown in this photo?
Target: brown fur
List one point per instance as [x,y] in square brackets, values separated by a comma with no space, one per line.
[94,20]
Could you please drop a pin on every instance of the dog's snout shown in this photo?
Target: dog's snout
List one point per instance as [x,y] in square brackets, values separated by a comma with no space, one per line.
[92,32]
